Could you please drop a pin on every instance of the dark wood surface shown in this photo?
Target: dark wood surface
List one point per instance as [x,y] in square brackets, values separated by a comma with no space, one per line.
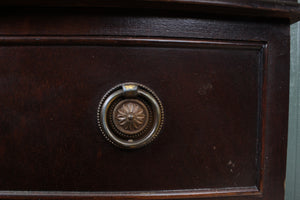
[223,82]
[278,9]
[197,89]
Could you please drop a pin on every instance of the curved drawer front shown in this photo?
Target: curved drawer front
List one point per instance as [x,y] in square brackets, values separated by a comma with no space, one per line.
[221,130]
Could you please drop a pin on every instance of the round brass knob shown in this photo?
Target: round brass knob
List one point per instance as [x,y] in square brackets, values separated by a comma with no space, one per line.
[130,115]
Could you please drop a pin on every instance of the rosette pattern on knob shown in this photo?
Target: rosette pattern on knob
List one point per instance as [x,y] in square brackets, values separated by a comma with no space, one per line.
[131,116]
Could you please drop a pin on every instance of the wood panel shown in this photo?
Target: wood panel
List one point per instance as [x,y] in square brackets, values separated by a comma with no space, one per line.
[52,79]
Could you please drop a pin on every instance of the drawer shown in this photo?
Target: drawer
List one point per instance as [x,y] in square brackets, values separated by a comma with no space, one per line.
[223,101]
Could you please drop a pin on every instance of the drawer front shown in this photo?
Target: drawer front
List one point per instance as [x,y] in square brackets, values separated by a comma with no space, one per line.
[216,140]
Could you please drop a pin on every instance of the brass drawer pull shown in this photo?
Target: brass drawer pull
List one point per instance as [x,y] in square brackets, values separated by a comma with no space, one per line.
[130,115]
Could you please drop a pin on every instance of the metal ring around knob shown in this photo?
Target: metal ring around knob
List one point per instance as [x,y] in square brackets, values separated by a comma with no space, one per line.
[130,92]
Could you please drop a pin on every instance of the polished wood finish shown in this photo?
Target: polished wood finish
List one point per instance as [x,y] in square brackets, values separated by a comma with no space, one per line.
[279,9]
[223,82]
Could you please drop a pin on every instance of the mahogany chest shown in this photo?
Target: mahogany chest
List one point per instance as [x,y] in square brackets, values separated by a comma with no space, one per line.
[149,99]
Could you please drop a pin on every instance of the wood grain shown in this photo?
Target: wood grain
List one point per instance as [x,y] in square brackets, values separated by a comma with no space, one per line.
[223,81]
[288,10]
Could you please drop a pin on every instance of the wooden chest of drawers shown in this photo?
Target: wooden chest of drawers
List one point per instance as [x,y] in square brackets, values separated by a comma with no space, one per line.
[218,70]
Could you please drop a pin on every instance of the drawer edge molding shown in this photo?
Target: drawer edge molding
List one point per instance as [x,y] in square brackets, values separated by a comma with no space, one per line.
[130,41]
[166,194]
